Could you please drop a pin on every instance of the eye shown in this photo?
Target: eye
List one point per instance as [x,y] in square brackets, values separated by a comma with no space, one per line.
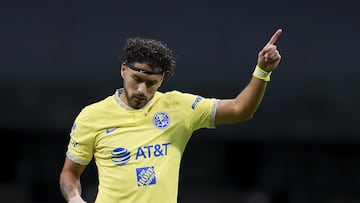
[137,79]
[150,83]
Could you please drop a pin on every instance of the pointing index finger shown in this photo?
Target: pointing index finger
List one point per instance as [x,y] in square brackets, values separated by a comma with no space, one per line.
[275,36]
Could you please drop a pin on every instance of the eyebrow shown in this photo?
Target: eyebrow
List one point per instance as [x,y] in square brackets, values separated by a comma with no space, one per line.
[134,68]
[147,81]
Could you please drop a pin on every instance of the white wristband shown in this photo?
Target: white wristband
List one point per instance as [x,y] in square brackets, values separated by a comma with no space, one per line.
[261,74]
[76,199]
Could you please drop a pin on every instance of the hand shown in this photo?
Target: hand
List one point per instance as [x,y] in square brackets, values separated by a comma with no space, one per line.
[269,57]
[77,199]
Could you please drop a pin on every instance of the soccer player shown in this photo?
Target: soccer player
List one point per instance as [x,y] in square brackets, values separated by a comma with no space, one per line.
[137,136]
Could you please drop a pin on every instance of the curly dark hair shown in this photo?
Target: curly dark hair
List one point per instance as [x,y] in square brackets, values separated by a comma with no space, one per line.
[150,51]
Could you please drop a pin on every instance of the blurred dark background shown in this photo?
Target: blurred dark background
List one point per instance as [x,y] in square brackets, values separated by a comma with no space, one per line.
[302,146]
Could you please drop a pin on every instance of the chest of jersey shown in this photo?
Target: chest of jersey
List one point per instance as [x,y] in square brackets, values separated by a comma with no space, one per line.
[137,136]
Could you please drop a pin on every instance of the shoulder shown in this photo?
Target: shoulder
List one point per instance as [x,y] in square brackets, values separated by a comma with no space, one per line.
[176,96]
[183,99]
[179,94]
[97,106]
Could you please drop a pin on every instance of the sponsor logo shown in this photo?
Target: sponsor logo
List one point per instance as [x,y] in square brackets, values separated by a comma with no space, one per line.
[161,120]
[73,143]
[146,176]
[152,151]
[197,100]
[110,130]
[120,156]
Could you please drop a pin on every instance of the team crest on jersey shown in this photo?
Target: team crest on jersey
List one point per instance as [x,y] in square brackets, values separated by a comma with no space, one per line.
[120,156]
[146,176]
[161,120]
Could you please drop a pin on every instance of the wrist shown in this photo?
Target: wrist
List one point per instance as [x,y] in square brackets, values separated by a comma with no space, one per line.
[261,74]
[76,199]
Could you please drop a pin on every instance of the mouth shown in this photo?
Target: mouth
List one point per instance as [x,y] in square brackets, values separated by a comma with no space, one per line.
[140,98]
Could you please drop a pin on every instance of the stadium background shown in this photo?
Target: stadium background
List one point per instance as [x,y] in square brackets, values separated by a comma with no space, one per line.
[302,145]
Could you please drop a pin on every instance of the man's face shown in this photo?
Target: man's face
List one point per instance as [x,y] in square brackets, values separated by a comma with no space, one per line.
[139,87]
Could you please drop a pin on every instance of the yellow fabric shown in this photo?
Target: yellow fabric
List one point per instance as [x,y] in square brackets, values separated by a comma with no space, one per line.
[138,152]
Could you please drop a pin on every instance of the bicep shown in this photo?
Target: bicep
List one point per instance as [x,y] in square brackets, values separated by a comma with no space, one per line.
[228,112]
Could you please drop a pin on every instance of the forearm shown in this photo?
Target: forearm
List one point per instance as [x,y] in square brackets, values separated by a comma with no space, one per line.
[249,100]
[244,105]
[70,186]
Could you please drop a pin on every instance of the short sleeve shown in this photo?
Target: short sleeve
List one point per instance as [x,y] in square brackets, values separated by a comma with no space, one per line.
[81,145]
[201,111]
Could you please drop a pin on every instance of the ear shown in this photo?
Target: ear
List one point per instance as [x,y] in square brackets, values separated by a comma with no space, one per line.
[161,81]
[122,70]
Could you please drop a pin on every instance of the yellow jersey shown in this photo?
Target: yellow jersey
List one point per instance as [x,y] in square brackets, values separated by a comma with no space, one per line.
[138,151]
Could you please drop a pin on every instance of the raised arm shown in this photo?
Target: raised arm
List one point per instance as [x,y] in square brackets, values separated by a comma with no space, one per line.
[70,185]
[244,106]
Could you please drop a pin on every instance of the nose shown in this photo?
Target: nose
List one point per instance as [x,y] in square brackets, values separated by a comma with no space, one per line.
[141,88]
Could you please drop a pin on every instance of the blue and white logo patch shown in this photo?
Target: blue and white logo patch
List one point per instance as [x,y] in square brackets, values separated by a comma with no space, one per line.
[146,176]
[120,156]
[161,120]
[197,100]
